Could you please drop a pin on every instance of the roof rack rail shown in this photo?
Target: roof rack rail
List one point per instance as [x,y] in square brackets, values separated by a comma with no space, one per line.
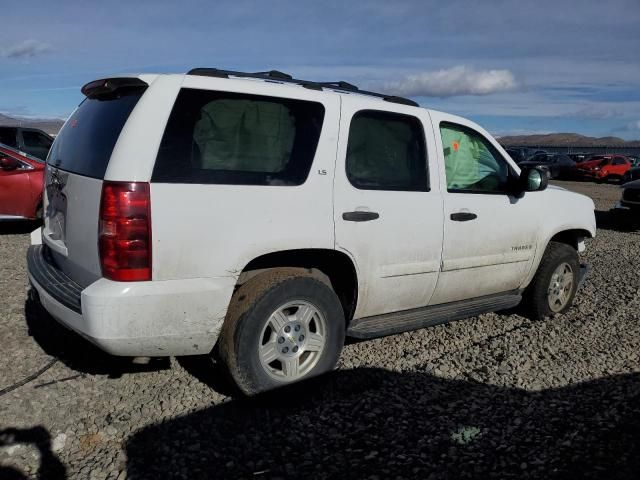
[341,85]
[275,75]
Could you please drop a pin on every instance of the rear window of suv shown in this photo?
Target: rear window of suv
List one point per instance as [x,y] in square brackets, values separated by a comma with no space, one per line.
[85,143]
[238,139]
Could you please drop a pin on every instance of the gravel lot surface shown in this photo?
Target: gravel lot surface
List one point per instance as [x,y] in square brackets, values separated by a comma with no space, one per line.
[496,396]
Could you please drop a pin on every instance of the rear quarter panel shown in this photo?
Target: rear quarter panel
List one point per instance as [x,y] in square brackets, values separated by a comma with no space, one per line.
[214,230]
[36,181]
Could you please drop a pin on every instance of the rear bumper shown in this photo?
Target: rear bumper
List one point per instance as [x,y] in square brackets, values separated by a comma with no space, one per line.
[157,318]
[589,175]
[59,286]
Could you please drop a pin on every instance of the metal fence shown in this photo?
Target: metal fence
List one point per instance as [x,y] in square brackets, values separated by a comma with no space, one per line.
[600,149]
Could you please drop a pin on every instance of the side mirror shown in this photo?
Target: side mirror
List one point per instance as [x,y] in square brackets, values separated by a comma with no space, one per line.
[8,163]
[534,179]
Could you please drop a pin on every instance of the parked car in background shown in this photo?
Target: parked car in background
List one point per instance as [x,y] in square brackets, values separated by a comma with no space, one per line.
[30,140]
[21,182]
[579,157]
[518,154]
[630,201]
[604,168]
[632,174]
[634,159]
[559,166]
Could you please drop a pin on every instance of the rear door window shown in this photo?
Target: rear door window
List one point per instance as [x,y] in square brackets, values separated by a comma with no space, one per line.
[36,143]
[239,139]
[386,151]
[8,137]
[85,143]
[36,139]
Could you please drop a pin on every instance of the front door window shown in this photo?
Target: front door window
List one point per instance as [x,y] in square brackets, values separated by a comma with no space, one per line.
[472,164]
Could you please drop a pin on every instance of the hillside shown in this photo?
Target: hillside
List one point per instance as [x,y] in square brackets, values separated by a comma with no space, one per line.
[564,139]
[49,125]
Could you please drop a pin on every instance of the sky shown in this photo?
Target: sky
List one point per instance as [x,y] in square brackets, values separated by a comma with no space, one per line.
[515,67]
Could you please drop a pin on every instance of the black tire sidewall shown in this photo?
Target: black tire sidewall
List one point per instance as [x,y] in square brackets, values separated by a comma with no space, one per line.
[249,329]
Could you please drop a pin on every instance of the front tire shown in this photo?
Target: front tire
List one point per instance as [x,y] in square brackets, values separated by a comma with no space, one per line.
[282,326]
[554,287]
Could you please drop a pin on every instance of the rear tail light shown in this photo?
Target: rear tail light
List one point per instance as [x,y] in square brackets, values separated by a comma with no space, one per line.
[124,235]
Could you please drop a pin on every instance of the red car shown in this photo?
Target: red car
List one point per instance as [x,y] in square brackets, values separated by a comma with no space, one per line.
[603,168]
[21,182]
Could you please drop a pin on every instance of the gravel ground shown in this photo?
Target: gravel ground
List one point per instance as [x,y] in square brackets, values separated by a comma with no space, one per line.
[496,396]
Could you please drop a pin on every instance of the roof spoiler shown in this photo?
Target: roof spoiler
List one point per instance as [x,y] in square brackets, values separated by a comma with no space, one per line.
[106,86]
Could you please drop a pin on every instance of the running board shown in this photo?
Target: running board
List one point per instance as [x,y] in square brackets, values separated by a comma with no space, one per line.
[407,320]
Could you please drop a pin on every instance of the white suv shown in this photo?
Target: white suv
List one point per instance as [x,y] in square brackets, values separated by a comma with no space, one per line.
[264,218]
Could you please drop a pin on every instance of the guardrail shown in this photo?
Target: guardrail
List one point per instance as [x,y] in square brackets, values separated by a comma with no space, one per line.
[599,149]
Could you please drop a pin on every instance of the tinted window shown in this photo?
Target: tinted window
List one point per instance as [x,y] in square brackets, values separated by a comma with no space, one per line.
[36,139]
[516,155]
[386,151]
[230,138]
[8,136]
[472,164]
[619,161]
[85,143]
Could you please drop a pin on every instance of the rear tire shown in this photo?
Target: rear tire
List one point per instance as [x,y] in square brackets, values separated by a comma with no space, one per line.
[281,327]
[555,284]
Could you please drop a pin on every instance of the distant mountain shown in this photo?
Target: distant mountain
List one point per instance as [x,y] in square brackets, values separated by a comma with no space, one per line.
[49,125]
[564,139]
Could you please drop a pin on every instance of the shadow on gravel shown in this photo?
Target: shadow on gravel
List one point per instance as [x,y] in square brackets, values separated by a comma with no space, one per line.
[18,227]
[619,221]
[372,423]
[76,352]
[50,466]
[211,373]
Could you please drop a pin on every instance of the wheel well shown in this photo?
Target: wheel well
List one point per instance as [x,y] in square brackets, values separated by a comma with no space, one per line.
[571,237]
[330,266]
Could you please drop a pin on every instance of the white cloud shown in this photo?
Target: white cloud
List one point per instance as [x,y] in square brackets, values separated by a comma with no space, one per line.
[519,131]
[26,49]
[460,80]
[634,126]
[596,111]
